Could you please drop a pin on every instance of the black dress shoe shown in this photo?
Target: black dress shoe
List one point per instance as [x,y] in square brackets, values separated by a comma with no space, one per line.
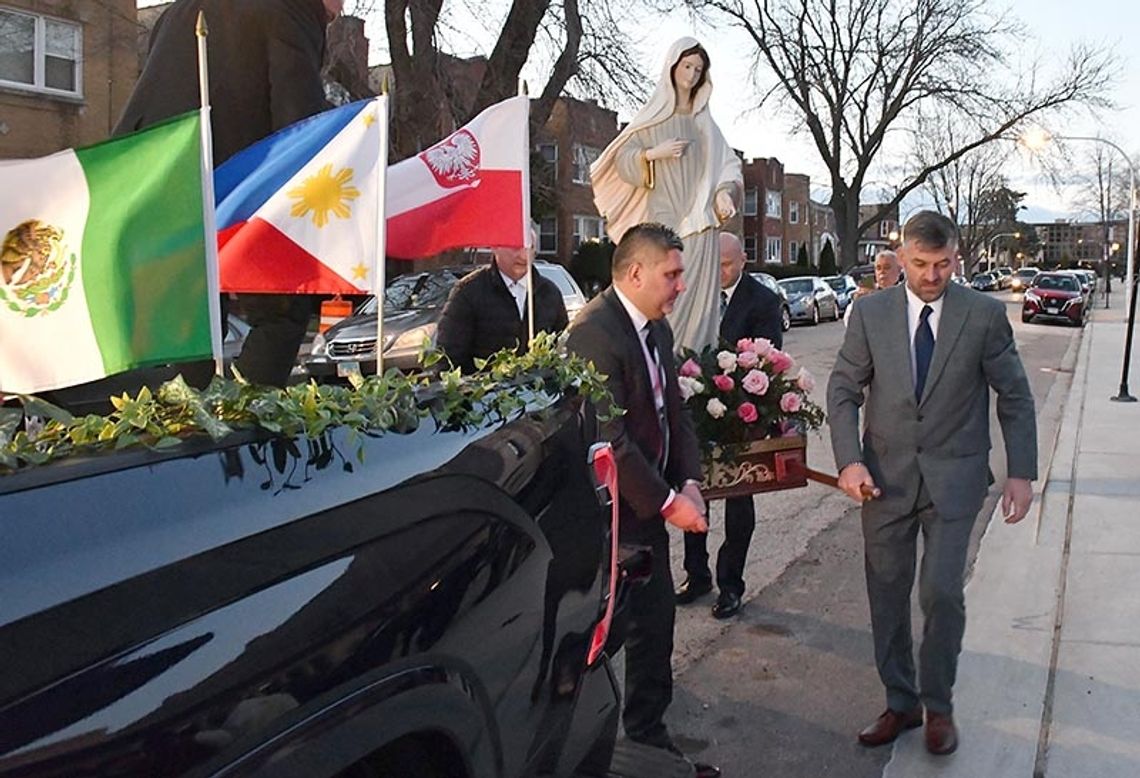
[727,605]
[700,769]
[693,588]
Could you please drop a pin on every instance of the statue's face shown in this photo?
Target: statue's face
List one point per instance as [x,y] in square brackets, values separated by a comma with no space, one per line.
[687,71]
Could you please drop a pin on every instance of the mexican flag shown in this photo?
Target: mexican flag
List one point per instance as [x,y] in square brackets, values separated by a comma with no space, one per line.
[103,259]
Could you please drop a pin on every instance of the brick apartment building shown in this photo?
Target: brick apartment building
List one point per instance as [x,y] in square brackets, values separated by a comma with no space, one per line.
[67,68]
[763,211]
[882,234]
[822,230]
[797,218]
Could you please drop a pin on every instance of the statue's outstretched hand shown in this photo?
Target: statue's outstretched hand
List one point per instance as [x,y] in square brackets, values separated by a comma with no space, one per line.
[674,147]
[725,208]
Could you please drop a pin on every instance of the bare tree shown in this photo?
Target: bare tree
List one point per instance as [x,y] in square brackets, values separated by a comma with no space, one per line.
[853,72]
[1103,193]
[581,41]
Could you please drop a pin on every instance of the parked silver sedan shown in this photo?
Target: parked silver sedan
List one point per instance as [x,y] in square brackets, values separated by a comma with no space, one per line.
[811,299]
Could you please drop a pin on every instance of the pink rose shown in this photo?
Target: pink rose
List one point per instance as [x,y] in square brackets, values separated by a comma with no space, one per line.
[761,347]
[747,413]
[755,382]
[747,359]
[805,380]
[790,402]
[690,369]
[744,344]
[779,361]
[724,383]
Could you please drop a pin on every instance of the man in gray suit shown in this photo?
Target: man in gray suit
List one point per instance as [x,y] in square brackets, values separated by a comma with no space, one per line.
[926,353]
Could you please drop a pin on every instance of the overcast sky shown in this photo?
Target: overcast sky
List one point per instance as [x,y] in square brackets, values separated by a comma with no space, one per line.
[1054,25]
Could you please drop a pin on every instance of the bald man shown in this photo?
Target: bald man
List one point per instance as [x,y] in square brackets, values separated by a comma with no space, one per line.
[748,309]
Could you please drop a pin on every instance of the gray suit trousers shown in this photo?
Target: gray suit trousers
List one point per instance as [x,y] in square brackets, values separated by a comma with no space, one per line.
[890,545]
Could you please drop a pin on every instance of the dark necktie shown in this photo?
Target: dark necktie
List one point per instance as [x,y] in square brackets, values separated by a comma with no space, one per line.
[658,394]
[723,302]
[923,351]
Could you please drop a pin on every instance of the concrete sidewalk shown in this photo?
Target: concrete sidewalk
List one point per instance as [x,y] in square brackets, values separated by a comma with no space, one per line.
[1049,678]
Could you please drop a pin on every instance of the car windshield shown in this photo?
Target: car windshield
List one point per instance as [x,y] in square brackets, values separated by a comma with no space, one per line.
[1060,283]
[414,292]
[797,285]
[1025,273]
[839,283]
[560,278]
[983,277]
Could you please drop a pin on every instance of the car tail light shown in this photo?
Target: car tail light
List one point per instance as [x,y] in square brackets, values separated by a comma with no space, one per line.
[605,473]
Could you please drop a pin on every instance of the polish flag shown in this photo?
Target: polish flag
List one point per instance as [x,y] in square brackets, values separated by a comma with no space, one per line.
[297,211]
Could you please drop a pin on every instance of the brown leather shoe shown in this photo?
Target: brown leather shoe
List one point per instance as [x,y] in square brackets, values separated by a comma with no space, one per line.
[889,726]
[941,734]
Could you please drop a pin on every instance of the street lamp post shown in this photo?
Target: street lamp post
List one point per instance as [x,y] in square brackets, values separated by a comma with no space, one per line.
[990,249]
[1039,140]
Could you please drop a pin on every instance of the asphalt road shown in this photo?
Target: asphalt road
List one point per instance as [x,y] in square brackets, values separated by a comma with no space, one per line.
[782,689]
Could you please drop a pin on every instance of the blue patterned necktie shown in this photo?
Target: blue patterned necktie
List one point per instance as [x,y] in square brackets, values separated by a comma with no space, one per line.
[923,351]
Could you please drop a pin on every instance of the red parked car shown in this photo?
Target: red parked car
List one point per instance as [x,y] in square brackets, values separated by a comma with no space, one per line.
[1055,297]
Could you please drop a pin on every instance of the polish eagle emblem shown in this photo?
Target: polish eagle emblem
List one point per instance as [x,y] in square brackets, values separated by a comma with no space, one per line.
[454,161]
[36,270]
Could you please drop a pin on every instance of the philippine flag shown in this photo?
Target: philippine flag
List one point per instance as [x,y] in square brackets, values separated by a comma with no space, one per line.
[297,211]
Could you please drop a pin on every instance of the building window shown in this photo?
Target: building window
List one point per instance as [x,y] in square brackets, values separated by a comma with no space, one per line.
[40,53]
[794,211]
[750,247]
[793,249]
[749,202]
[548,235]
[584,156]
[773,202]
[549,154]
[773,253]
[587,228]
[885,229]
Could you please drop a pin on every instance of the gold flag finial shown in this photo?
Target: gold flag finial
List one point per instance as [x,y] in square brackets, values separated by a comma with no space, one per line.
[200,29]
[384,85]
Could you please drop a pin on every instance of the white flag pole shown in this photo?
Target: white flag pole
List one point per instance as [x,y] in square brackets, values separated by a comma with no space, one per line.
[209,222]
[528,239]
[381,221]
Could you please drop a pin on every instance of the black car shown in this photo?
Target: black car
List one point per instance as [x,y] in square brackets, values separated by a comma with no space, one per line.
[426,606]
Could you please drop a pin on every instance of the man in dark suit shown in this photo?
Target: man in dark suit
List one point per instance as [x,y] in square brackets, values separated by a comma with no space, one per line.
[487,310]
[748,310]
[265,61]
[624,333]
[923,357]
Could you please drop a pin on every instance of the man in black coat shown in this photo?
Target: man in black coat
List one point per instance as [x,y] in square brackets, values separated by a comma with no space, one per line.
[624,333]
[487,310]
[265,61]
[748,310]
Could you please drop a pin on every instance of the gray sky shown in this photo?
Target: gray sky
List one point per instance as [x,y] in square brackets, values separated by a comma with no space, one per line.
[1053,25]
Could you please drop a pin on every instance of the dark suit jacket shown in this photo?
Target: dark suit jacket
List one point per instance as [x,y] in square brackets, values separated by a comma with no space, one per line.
[603,334]
[265,69]
[482,317]
[753,312]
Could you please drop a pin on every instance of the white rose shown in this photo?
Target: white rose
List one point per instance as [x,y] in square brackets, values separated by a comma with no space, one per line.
[716,408]
[689,386]
[805,381]
[726,361]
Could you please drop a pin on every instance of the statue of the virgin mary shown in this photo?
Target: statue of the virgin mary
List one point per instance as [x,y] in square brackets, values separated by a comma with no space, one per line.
[672,165]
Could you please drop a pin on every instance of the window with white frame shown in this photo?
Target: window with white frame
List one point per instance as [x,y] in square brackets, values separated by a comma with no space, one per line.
[773,201]
[793,211]
[40,53]
[885,229]
[750,202]
[549,154]
[750,247]
[793,249]
[587,228]
[772,256]
[548,235]
[584,156]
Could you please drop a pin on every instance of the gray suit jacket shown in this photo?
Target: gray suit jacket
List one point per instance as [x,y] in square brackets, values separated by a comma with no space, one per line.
[944,439]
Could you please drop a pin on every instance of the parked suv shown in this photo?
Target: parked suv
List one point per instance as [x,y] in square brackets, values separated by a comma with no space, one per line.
[413,305]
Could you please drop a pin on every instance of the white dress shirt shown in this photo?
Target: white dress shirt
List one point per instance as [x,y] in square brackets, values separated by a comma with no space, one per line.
[730,291]
[914,306]
[517,290]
